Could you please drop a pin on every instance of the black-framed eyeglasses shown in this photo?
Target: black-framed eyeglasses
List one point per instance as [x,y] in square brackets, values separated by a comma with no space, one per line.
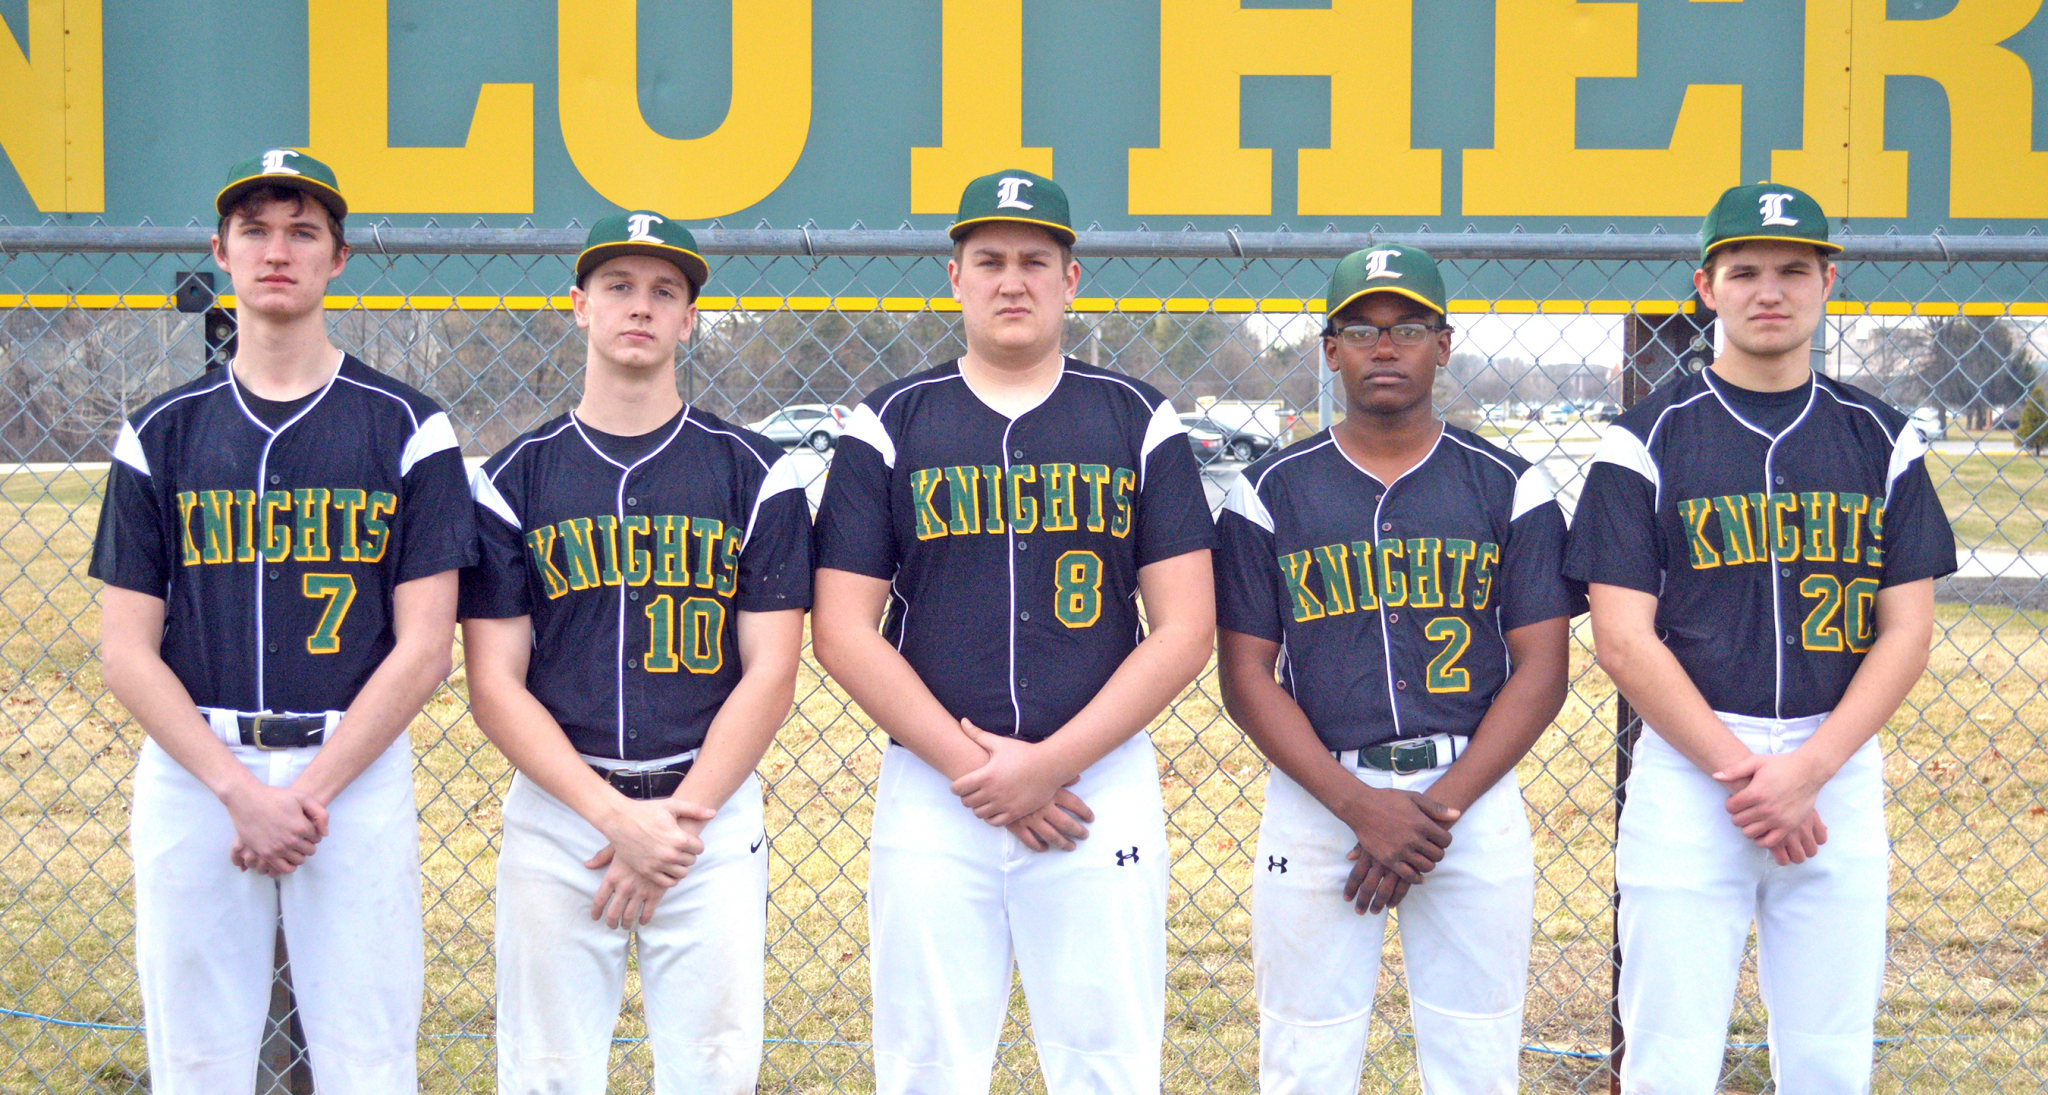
[1405,334]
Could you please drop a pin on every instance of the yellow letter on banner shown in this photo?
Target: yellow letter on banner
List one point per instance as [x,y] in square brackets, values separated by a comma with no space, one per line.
[727,170]
[981,125]
[1993,168]
[348,84]
[1207,46]
[51,123]
[1535,167]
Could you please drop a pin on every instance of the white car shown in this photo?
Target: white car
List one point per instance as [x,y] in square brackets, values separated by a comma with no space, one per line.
[816,425]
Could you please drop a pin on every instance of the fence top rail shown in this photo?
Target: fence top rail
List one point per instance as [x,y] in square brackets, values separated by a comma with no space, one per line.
[908,243]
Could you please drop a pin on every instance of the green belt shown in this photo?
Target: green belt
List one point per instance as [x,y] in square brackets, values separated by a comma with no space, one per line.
[1401,757]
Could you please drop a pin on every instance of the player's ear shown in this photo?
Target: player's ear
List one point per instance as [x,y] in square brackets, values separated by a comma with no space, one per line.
[1073,278]
[1827,278]
[220,254]
[689,327]
[341,255]
[953,273]
[579,307]
[1703,284]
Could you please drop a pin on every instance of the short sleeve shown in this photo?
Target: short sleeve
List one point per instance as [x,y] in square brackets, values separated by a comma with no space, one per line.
[855,530]
[134,544]
[1532,585]
[1918,542]
[436,523]
[495,586]
[775,563]
[1613,537]
[1247,567]
[1173,510]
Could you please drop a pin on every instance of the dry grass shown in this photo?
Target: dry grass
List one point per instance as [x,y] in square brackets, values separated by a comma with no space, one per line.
[1969,913]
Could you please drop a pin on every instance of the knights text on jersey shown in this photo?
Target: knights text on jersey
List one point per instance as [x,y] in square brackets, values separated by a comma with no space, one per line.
[1392,602]
[1765,550]
[1012,545]
[276,550]
[634,572]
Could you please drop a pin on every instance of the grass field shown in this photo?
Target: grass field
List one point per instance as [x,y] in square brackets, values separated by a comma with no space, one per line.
[1964,996]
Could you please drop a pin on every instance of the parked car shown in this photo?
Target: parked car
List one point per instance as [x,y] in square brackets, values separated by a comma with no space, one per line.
[1244,444]
[1270,419]
[1208,444]
[1932,424]
[817,425]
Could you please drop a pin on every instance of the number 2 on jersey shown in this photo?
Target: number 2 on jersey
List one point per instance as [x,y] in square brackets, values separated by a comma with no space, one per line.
[1077,588]
[340,592]
[1445,674]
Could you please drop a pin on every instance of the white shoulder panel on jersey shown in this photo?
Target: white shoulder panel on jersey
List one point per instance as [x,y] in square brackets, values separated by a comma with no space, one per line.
[1906,448]
[486,493]
[128,449]
[863,424]
[783,475]
[1534,488]
[1625,449]
[1243,499]
[1165,424]
[434,435]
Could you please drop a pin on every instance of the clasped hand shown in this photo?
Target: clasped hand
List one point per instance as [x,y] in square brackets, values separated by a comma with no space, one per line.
[1402,836]
[1771,799]
[1014,789]
[276,828]
[654,843]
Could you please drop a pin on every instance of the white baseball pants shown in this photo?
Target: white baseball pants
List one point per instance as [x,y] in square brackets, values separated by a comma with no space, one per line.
[1464,939]
[1691,884]
[205,932]
[953,901]
[562,975]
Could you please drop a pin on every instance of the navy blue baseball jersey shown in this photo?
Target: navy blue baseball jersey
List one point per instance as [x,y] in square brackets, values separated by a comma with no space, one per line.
[1391,602]
[276,549]
[633,560]
[1012,545]
[1764,546]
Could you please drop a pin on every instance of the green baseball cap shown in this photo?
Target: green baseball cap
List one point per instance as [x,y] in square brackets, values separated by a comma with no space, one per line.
[1018,196]
[641,232]
[1390,268]
[286,167]
[1765,211]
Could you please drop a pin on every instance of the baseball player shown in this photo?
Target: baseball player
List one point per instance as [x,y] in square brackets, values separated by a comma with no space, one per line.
[999,517]
[631,634]
[279,543]
[1409,572]
[1761,544]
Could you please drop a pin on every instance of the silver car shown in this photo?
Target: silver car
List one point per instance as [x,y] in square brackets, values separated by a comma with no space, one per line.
[817,425]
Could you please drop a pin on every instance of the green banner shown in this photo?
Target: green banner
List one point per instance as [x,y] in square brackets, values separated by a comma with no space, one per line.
[1547,114]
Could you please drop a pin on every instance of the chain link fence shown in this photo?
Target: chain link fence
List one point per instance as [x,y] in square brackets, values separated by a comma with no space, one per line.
[1554,332]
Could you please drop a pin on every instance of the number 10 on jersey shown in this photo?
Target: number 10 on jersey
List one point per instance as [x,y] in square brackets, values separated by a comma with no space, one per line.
[701,630]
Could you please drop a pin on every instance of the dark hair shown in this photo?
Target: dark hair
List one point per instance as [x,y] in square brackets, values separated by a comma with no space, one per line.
[256,197]
[1707,264]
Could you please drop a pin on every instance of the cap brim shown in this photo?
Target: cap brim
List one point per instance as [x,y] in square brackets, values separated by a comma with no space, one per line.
[689,262]
[1409,293]
[1825,245]
[325,194]
[1060,231]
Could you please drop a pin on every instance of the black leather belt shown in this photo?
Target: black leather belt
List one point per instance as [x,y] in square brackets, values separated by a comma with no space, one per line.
[647,783]
[282,731]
